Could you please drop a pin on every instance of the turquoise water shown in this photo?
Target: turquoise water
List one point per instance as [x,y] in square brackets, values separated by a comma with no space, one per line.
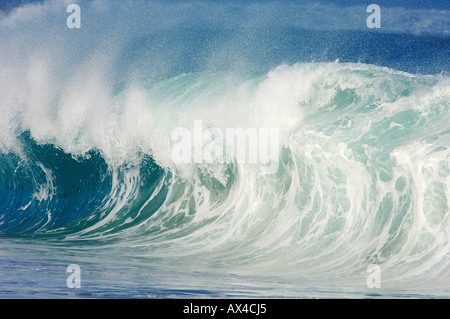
[88,177]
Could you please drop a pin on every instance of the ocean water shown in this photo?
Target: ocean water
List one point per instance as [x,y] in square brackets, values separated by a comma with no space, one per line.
[88,177]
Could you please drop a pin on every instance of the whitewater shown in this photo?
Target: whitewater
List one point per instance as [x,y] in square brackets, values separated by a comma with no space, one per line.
[87,175]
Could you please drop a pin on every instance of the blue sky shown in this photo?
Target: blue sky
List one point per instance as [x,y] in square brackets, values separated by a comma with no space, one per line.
[410,4]
[399,16]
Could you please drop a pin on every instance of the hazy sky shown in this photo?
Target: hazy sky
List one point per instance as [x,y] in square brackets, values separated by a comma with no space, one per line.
[410,4]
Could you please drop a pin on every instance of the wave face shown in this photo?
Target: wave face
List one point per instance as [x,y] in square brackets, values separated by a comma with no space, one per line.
[85,140]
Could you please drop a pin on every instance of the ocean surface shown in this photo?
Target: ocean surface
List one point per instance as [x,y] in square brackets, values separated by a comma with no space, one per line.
[87,175]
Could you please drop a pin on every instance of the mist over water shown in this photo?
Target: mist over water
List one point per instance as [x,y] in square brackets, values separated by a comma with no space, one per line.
[87,175]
